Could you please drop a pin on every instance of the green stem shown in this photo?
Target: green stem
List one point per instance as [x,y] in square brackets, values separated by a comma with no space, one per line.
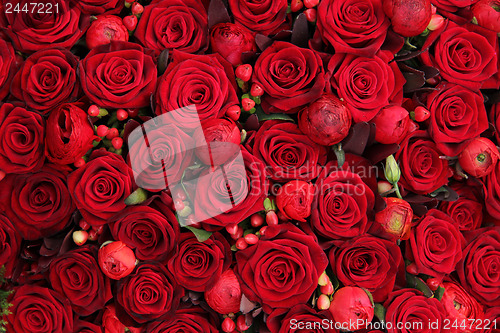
[396,187]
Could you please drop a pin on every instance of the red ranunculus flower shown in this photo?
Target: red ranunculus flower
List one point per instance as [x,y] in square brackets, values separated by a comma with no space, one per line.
[461,306]
[231,41]
[7,67]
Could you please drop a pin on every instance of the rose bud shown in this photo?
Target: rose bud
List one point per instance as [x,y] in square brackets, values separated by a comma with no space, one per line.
[487,14]
[228,325]
[479,157]
[294,200]
[461,306]
[105,29]
[69,134]
[231,41]
[394,222]
[392,172]
[217,141]
[326,121]
[408,17]
[391,124]
[225,295]
[116,260]
[352,305]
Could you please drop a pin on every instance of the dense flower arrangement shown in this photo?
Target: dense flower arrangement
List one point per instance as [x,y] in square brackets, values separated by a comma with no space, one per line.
[249,166]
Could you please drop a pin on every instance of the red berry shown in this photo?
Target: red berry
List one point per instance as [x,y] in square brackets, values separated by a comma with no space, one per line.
[244,72]
[99,229]
[80,237]
[311,3]
[84,225]
[179,204]
[263,230]
[130,22]
[412,269]
[117,143]
[228,325]
[421,114]
[93,111]
[238,234]
[113,133]
[311,14]
[272,218]
[180,194]
[328,289]
[256,220]
[233,112]
[251,239]
[79,163]
[296,5]
[433,284]
[241,244]
[256,90]
[247,103]
[121,114]
[132,113]
[102,130]
[232,228]
[137,8]
[241,323]
[93,235]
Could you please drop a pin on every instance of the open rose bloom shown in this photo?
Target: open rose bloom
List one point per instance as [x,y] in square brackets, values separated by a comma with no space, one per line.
[250,166]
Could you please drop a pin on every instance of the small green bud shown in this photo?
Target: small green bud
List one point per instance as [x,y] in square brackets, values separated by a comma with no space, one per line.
[392,171]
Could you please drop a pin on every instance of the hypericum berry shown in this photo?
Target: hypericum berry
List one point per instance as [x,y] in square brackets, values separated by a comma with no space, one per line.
[93,235]
[233,112]
[311,3]
[272,218]
[121,114]
[79,163]
[412,269]
[383,186]
[433,284]
[117,143]
[232,228]
[244,72]
[179,204]
[328,289]
[228,325]
[251,239]
[262,230]
[132,113]
[84,225]
[247,104]
[238,234]
[323,279]
[93,111]
[113,133]
[311,14]
[102,130]
[421,114]
[130,22]
[436,22]
[256,90]
[80,237]
[241,323]
[296,5]
[256,220]
[241,244]
[323,302]
[137,8]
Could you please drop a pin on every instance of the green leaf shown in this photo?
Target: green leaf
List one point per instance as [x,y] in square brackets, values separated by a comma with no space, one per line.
[201,235]
[379,312]
[442,189]
[138,196]
[413,281]
[268,205]
[335,282]
[272,116]
[340,154]
[438,294]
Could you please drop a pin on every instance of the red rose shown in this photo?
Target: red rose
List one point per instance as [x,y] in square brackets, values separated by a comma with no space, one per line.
[491,185]
[100,187]
[366,84]
[494,117]
[82,326]
[487,15]
[77,276]
[10,244]
[7,67]
[411,306]
[215,206]
[150,229]
[97,7]
[391,124]
[21,140]
[435,244]
[197,266]
[105,29]
[69,136]
[342,204]
[61,25]
[266,17]
[299,318]
[457,115]
[462,307]
[188,319]
[465,55]
[452,5]
[422,170]
[174,24]
[205,81]
[288,153]
[38,204]
[367,262]
[478,270]
[290,76]
[231,41]
[151,293]
[119,75]
[479,157]
[355,26]
[38,309]
[467,210]
[47,79]
[282,269]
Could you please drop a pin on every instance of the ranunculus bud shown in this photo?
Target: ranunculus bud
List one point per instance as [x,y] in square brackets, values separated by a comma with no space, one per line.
[487,14]
[294,199]
[326,121]
[408,17]
[225,295]
[392,171]
[110,322]
[394,222]
[391,124]
[231,41]
[105,29]
[69,134]
[116,260]
[461,306]
[479,157]
[352,306]
[217,141]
